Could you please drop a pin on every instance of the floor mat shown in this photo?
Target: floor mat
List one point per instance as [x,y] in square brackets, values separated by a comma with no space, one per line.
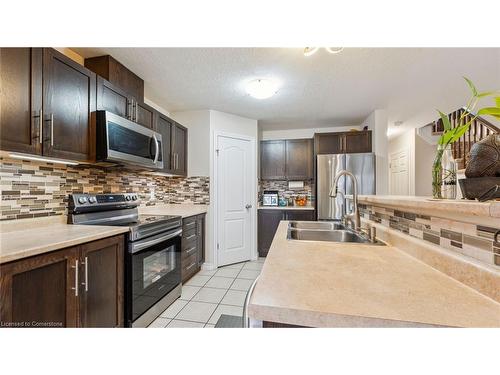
[229,321]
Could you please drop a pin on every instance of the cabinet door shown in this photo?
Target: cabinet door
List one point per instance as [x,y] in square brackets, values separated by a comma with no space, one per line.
[69,97]
[179,150]
[268,221]
[40,290]
[101,283]
[357,142]
[164,126]
[299,159]
[300,215]
[144,115]
[272,160]
[111,98]
[20,99]
[329,143]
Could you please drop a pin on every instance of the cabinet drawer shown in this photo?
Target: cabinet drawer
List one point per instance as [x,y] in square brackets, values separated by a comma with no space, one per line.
[188,237]
[189,223]
[189,250]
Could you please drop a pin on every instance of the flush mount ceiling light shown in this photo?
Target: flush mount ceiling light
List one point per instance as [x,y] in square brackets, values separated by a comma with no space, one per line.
[309,51]
[262,88]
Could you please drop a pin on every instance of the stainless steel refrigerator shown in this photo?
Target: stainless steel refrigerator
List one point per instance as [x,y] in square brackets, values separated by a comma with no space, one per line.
[362,166]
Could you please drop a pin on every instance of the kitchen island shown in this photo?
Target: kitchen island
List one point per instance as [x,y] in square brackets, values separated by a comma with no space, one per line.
[326,284]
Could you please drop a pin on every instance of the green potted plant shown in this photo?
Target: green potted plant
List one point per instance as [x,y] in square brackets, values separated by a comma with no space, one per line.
[440,173]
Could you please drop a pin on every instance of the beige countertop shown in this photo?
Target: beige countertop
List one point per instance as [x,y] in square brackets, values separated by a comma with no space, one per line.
[461,209]
[307,207]
[184,209]
[325,284]
[27,237]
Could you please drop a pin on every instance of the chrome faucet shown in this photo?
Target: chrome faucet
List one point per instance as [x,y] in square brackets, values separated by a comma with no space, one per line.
[353,216]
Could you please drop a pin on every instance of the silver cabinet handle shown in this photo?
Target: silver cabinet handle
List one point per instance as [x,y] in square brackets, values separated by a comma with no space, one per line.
[40,123]
[75,288]
[190,224]
[129,109]
[191,236]
[52,129]
[248,206]
[157,149]
[246,319]
[191,250]
[86,283]
[191,266]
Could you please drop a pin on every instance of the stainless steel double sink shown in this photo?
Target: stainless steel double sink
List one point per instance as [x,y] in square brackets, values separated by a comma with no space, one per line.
[325,231]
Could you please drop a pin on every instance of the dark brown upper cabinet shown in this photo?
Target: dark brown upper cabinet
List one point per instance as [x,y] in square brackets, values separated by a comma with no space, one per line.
[174,145]
[21,99]
[286,159]
[61,127]
[112,98]
[164,126]
[179,149]
[69,98]
[272,160]
[144,115]
[116,73]
[343,142]
[299,159]
[79,286]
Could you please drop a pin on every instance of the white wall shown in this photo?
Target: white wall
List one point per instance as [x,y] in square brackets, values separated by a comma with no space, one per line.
[377,122]
[424,157]
[302,133]
[198,124]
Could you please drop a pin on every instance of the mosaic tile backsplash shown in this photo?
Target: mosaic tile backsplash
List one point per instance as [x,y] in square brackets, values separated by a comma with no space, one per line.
[475,241]
[34,189]
[282,187]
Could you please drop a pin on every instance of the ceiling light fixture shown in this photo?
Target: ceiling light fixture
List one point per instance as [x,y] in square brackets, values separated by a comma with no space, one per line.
[309,51]
[47,160]
[262,88]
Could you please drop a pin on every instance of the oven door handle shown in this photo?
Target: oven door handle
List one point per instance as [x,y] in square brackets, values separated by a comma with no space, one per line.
[142,245]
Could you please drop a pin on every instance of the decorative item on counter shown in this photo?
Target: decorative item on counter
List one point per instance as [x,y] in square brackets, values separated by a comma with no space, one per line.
[300,200]
[290,201]
[483,170]
[448,174]
[282,201]
[443,174]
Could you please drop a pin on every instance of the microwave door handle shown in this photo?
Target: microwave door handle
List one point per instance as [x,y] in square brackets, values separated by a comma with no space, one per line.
[157,149]
[141,246]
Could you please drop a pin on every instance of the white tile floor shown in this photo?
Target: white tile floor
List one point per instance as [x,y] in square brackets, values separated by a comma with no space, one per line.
[209,294]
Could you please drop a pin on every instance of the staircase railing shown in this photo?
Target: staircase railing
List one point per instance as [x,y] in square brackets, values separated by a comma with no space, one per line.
[478,130]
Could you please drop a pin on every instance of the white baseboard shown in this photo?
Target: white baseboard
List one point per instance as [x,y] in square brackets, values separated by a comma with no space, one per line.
[208,266]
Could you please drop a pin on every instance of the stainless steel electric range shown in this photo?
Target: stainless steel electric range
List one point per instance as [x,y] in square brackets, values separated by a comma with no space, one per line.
[153,251]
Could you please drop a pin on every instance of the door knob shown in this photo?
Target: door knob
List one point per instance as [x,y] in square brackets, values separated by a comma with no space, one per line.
[248,206]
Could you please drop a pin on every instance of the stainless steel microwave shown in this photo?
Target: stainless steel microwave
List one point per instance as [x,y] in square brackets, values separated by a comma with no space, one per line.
[121,141]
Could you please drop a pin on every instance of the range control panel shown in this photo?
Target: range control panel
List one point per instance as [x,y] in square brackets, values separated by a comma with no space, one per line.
[96,202]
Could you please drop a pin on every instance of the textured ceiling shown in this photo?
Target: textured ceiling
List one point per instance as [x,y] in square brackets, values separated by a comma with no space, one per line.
[317,91]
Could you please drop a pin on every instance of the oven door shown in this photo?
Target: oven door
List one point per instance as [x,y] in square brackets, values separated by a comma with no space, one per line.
[153,270]
[123,141]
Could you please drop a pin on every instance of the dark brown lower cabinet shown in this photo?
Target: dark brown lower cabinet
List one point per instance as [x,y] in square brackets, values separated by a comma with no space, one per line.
[102,295]
[193,246]
[80,286]
[268,221]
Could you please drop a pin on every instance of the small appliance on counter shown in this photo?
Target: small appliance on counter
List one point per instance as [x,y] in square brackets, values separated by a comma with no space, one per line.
[270,198]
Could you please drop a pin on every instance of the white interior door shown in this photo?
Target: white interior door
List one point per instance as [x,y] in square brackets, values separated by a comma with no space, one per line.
[234,199]
[399,173]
